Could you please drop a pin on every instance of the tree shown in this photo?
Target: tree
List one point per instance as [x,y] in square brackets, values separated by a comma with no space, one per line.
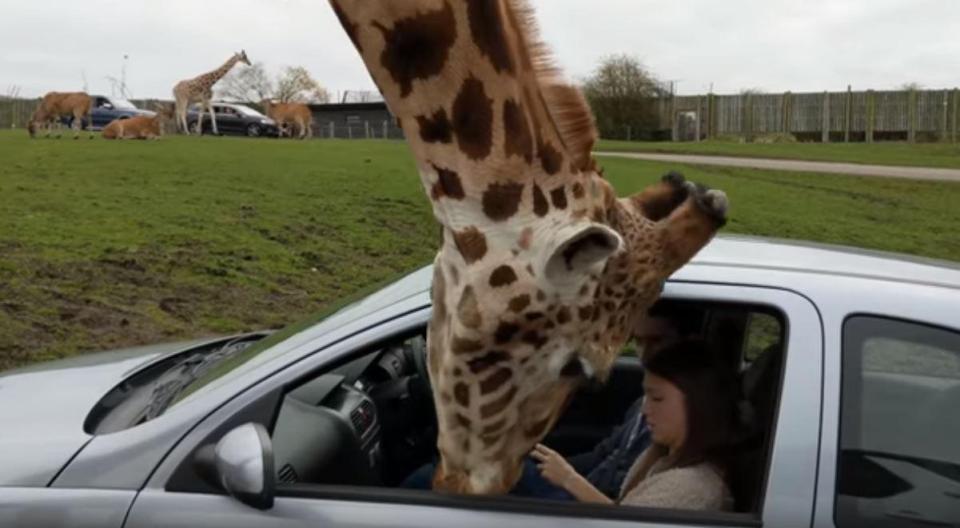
[295,85]
[622,94]
[246,84]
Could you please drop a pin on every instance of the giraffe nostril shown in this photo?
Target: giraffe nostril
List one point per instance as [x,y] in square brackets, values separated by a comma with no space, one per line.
[573,369]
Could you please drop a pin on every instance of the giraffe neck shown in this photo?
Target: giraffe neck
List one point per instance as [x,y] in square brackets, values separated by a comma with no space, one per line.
[212,77]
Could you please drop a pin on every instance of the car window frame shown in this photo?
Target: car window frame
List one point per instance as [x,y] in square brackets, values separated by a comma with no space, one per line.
[358,344]
[844,388]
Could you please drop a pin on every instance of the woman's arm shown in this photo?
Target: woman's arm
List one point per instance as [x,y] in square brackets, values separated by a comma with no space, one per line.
[559,472]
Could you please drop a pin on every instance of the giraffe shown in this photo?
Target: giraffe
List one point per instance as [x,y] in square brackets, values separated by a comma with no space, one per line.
[542,270]
[200,89]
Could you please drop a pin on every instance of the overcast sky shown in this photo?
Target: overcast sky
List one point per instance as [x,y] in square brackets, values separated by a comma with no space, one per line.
[774,45]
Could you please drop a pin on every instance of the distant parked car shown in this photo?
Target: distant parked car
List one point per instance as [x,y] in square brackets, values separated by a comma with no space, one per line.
[234,119]
[106,109]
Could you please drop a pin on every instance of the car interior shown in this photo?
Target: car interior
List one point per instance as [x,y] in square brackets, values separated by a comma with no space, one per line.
[370,421]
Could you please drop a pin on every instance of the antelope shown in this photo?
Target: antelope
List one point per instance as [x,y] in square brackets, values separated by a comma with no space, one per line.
[56,105]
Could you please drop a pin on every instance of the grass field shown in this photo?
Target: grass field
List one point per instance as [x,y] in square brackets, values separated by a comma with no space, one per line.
[939,155]
[108,244]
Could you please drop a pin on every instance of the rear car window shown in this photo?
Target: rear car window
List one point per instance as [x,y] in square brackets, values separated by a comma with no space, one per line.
[899,458]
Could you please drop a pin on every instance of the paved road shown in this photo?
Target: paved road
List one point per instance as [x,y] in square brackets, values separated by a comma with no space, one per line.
[915,173]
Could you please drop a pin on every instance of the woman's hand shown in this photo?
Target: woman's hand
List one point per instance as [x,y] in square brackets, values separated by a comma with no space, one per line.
[553,466]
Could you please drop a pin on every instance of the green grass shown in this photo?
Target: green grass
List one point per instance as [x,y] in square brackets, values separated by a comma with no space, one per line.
[938,155]
[109,244]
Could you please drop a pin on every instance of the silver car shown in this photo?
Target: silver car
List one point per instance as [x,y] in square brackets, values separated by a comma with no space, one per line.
[851,382]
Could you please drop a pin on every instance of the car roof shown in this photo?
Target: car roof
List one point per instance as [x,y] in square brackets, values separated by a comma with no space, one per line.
[826,259]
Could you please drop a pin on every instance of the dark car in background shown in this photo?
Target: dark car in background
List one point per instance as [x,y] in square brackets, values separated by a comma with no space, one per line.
[108,108]
[234,119]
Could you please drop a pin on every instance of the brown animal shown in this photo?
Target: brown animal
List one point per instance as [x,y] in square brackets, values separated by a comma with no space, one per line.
[139,127]
[200,89]
[289,114]
[56,105]
[543,270]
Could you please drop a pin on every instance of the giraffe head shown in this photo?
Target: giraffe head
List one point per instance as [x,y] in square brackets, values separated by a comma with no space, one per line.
[242,57]
[542,270]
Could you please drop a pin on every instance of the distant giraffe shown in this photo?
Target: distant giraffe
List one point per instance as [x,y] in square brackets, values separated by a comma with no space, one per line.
[543,270]
[200,89]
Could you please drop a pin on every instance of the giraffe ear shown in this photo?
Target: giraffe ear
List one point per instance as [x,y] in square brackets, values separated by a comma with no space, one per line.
[580,248]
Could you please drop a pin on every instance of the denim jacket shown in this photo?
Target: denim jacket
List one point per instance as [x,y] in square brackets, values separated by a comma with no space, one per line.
[607,465]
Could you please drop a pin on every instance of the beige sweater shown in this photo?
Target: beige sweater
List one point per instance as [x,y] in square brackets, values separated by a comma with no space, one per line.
[699,487]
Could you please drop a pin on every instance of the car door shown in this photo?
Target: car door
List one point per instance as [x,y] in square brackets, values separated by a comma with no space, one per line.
[787,497]
[103,112]
[228,120]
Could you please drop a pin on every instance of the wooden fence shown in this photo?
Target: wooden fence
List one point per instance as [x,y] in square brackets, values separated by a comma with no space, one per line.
[828,116]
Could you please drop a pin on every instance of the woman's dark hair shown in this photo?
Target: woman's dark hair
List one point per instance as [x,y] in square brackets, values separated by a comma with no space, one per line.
[711,397]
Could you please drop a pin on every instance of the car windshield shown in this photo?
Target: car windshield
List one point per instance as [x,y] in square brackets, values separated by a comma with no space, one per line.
[248,111]
[248,356]
[123,103]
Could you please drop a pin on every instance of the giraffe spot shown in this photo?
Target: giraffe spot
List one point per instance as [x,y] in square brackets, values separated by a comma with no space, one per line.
[465,346]
[563,316]
[503,276]
[461,393]
[550,159]
[349,26]
[471,243]
[502,200]
[534,339]
[559,197]
[584,290]
[463,421]
[486,362]
[538,429]
[599,216]
[487,27]
[505,332]
[533,316]
[436,129]
[495,427]
[541,296]
[517,138]
[457,372]
[490,441]
[540,205]
[448,184]
[468,310]
[495,381]
[530,270]
[454,275]
[585,312]
[417,47]
[519,303]
[526,240]
[578,191]
[497,406]
[473,119]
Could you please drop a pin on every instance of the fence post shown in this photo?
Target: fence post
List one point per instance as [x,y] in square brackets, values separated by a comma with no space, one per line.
[848,114]
[385,130]
[333,130]
[699,116]
[912,116]
[785,112]
[945,125]
[871,115]
[710,116]
[956,102]
[825,122]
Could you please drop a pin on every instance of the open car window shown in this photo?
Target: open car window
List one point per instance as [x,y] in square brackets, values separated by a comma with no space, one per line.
[370,422]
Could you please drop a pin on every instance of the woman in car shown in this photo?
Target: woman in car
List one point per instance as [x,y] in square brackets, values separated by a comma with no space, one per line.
[690,405]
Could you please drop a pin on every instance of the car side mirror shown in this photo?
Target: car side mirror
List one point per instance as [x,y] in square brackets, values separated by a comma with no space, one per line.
[241,464]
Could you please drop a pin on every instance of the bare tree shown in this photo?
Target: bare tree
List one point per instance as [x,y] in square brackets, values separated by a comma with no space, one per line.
[623,94]
[296,85]
[246,84]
